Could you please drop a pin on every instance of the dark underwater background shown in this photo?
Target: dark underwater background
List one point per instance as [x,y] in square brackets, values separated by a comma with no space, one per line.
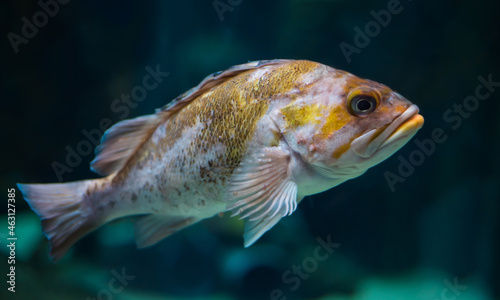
[425,229]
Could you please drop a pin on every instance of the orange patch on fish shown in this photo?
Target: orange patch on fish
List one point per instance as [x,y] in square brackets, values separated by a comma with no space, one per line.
[342,149]
[336,119]
[300,115]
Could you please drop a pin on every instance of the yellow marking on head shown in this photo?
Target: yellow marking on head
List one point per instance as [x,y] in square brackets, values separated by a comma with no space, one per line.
[300,115]
[336,119]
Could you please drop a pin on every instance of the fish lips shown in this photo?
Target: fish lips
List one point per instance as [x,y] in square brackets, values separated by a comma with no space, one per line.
[401,129]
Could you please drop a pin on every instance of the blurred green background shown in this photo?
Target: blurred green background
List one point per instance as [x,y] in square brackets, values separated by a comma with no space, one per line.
[436,236]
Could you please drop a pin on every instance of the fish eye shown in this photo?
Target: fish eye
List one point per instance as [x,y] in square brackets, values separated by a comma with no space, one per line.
[362,105]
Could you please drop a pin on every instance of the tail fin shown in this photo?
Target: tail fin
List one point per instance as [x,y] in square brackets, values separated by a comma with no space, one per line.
[65,216]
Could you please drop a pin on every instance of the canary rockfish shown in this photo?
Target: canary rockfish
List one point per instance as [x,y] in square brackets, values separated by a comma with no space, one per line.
[254,140]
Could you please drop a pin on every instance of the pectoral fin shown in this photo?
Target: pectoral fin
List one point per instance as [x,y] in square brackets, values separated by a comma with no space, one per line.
[262,191]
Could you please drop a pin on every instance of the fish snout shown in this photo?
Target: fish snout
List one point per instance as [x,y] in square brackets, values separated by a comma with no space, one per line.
[398,132]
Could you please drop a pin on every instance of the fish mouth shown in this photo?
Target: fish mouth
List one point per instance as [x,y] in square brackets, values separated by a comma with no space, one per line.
[397,133]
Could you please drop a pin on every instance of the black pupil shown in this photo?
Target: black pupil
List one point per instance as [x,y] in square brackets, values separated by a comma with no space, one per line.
[363,105]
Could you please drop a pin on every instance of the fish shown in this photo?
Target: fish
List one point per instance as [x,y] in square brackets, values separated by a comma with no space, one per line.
[252,140]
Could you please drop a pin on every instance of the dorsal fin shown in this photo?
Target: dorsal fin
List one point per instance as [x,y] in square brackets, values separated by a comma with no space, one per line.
[215,79]
[123,139]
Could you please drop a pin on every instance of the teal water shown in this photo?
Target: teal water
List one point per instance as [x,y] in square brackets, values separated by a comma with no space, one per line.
[422,225]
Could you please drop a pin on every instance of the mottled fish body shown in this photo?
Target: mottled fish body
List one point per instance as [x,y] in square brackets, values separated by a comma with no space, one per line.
[254,139]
